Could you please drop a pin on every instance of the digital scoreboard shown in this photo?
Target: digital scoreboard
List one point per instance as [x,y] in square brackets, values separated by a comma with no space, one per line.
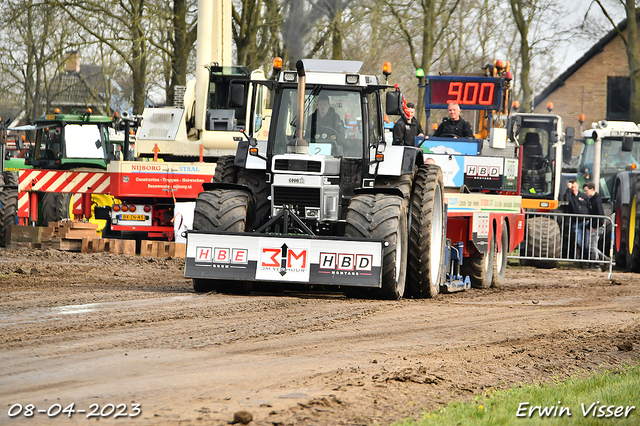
[468,92]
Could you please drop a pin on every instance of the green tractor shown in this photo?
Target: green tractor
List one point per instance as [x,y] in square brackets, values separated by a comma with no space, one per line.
[73,142]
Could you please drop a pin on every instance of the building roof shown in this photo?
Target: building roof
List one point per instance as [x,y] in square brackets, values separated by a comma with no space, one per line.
[78,90]
[597,48]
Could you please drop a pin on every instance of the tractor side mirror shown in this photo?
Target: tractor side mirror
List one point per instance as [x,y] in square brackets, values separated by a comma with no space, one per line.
[393,103]
[514,128]
[627,143]
[236,94]
[567,148]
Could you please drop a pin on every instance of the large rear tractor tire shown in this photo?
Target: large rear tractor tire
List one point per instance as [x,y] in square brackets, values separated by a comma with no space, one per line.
[480,268]
[633,255]
[256,180]
[222,210]
[8,205]
[226,171]
[56,206]
[621,246]
[427,238]
[500,258]
[383,216]
[544,239]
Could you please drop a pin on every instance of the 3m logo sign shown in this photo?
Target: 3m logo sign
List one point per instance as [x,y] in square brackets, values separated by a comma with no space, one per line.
[279,257]
[221,255]
[483,171]
[346,262]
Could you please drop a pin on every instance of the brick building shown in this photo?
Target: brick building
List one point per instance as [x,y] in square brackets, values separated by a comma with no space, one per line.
[596,85]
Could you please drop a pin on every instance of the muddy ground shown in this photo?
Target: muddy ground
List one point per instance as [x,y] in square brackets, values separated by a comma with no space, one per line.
[106,329]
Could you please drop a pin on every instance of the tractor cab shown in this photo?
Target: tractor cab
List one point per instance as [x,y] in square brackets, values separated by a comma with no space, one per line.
[604,150]
[66,141]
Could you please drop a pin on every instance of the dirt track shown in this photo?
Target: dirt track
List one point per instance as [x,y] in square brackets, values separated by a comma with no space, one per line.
[103,329]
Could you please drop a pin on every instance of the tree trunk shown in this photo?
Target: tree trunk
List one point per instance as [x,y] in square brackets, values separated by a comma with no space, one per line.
[525,53]
[336,34]
[181,49]
[633,54]
[139,58]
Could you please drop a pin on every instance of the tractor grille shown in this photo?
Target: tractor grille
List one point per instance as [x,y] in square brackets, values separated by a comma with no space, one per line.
[298,165]
[301,197]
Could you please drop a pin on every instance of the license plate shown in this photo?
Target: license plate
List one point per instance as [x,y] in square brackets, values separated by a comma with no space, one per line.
[132,217]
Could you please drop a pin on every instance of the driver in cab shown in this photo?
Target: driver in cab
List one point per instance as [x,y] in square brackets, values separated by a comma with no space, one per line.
[325,122]
[454,126]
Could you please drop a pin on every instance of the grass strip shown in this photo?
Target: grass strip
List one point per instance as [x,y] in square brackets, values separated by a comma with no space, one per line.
[606,398]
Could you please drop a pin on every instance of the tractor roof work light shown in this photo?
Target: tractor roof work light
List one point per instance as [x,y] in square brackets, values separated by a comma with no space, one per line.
[419,73]
[277,63]
[386,68]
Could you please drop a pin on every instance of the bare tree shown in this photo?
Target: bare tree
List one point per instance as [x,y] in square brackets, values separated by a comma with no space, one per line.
[32,51]
[111,22]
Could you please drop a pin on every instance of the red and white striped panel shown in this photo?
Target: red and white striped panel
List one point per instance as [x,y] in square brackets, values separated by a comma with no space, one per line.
[59,181]
[62,181]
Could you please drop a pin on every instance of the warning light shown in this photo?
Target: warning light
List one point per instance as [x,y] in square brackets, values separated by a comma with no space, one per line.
[89,110]
[549,106]
[419,73]
[515,104]
[499,63]
[56,111]
[277,63]
[386,68]
[581,118]
[508,76]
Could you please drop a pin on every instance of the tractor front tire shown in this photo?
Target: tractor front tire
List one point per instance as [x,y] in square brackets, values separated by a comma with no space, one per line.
[621,246]
[480,268]
[226,171]
[500,258]
[8,205]
[257,182]
[56,206]
[427,238]
[383,216]
[633,236]
[544,239]
[222,210]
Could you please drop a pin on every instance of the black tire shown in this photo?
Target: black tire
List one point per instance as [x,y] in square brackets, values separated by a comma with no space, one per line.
[226,171]
[544,239]
[8,205]
[480,268]
[383,216]
[500,257]
[633,236]
[621,246]
[427,238]
[403,182]
[55,207]
[222,210]
[256,180]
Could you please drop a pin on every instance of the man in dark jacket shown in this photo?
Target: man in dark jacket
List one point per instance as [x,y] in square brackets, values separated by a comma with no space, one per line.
[454,126]
[407,127]
[578,204]
[325,122]
[597,224]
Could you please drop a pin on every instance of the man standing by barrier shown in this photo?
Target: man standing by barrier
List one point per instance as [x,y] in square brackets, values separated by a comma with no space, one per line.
[578,204]
[597,224]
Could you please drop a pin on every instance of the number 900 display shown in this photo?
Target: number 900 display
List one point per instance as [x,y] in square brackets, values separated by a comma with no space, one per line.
[470,93]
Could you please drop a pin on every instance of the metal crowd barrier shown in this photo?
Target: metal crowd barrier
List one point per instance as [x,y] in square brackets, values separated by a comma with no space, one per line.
[553,237]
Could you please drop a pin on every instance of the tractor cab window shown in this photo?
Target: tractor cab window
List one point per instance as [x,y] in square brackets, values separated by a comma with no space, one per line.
[83,141]
[537,177]
[220,115]
[332,122]
[49,143]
